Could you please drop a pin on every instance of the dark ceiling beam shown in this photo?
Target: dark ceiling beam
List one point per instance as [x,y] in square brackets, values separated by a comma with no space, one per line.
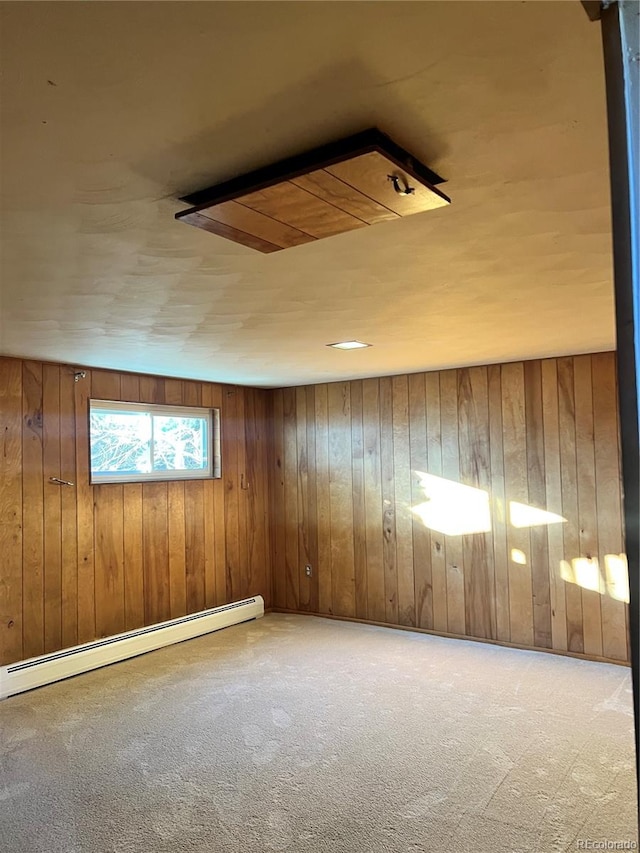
[593,8]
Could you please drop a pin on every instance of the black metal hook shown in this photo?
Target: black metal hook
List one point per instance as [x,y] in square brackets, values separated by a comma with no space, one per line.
[395,180]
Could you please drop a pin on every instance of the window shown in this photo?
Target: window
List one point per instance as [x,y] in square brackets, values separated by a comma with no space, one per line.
[132,442]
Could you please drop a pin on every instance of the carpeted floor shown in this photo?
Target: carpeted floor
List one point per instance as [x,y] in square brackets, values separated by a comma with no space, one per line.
[300,734]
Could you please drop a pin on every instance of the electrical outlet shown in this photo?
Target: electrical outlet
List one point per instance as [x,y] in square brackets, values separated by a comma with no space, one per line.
[308,571]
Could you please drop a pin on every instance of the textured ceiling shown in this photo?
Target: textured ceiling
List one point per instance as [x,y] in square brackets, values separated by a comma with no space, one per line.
[111,111]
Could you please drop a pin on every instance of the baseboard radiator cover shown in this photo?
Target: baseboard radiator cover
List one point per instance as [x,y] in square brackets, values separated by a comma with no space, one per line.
[45,669]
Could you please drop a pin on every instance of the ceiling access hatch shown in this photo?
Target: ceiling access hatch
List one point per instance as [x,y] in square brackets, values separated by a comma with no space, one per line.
[363,180]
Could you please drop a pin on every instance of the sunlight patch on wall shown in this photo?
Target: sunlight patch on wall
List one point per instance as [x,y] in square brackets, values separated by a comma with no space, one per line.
[617,576]
[452,508]
[586,573]
[518,556]
[566,572]
[523,515]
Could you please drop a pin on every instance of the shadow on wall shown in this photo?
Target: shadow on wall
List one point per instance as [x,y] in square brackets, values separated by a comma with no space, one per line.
[455,509]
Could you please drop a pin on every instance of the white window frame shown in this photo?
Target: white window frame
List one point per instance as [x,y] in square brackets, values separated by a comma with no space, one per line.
[212,416]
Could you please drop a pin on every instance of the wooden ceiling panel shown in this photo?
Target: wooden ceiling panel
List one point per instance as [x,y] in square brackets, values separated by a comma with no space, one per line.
[300,209]
[251,221]
[329,188]
[370,175]
[235,234]
[344,186]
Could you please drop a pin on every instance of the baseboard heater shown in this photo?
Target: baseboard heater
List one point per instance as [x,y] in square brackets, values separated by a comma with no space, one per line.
[35,672]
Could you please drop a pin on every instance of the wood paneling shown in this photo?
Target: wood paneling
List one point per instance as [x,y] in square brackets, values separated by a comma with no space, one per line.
[499,506]
[242,218]
[450,445]
[355,182]
[327,476]
[341,496]
[373,506]
[539,434]
[434,466]
[368,174]
[301,210]
[609,507]
[423,577]
[329,188]
[83,561]
[388,502]
[553,486]
[32,575]
[206,223]
[11,509]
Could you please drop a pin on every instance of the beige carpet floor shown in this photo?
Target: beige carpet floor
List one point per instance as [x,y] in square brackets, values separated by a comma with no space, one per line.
[300,734]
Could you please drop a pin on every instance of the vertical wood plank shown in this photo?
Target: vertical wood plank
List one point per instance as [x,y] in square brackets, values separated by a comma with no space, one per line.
[252,452]
[553,487]
[373,500]
[277,501]
[260,570]
[84,492]
[451,471]
[325,603]
[423,588]
[132,529]
[133,559]
[517,489]
[11,508]
[499,507]
[191,393]
[437,539]
[194,545]
[152,389]
[340,489]
[292,575]
[473,406]
[312,499]
[68,500]
[592,582]
[359,511]
[32,510]
[52,508]
[388,501]
[176,523]
[538,535]
[108,532]
[569,486]
[243,492]
[109,560]
[157,604]
[209,521]
[218,490]
[230,438]
[402,497]
[302,470]
[130,387]
[173,392]
[609,510]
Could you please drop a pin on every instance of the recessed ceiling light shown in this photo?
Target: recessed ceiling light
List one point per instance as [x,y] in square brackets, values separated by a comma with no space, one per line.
[349,345]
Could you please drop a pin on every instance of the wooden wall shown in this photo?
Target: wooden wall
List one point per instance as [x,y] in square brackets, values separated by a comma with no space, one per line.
[541,433]
[89,561]
[341,459]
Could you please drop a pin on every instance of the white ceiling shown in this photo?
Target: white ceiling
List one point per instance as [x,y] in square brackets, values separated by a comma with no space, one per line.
[111,111]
